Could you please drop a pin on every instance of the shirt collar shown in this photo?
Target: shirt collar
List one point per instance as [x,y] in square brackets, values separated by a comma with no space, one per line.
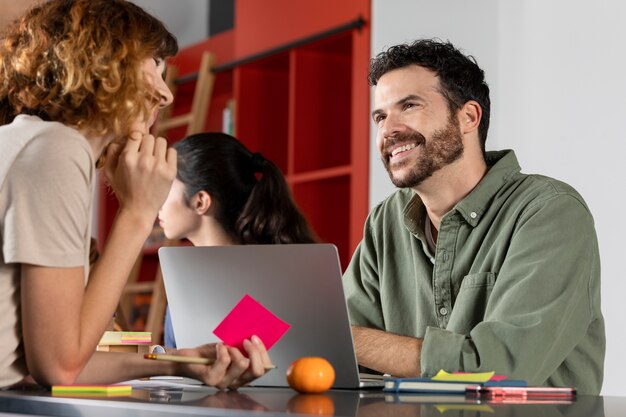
[501,165]
[414,214]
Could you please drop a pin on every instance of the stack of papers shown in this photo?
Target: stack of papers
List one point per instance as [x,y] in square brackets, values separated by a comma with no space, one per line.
[135,342]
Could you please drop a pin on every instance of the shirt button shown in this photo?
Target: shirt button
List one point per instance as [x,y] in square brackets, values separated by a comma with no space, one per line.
[443,311]
[473,214]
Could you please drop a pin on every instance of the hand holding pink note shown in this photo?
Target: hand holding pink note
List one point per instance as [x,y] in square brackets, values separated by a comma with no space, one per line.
[248,318]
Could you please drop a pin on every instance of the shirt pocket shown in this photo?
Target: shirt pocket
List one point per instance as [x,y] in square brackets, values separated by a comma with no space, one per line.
[471,302]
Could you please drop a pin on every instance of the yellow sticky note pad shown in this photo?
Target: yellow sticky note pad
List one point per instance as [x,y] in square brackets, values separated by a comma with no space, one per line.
[89,390]
[463,377]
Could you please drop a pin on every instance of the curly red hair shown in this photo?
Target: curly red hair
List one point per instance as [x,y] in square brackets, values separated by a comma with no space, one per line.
[78,62]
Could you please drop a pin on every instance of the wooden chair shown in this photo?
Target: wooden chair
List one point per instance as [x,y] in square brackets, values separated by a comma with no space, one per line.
[154,289]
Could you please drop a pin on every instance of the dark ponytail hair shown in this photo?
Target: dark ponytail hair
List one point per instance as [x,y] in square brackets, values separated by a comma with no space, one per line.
[251,210]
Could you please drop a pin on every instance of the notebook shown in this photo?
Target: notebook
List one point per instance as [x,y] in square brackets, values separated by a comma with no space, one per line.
[300,284]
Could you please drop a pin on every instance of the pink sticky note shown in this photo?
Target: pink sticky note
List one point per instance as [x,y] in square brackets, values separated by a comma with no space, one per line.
[248,318]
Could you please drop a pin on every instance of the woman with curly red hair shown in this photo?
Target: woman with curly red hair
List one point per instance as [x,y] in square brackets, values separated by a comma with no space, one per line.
[81,83]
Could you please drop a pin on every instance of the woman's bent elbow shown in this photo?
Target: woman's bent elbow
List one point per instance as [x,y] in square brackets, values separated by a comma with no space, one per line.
[54,375]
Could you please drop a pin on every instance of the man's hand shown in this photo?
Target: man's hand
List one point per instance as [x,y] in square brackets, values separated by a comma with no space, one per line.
[387,353]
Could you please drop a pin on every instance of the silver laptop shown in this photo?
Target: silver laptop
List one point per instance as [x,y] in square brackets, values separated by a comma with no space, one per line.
[301,284]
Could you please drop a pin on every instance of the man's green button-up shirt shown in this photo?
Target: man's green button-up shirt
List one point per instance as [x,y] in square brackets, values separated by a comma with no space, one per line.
[513,285]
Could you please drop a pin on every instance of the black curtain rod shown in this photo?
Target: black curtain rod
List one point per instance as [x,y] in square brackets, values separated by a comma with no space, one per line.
[355,24]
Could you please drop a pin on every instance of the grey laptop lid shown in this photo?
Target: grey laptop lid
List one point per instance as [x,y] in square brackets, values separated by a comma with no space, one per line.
[301,284]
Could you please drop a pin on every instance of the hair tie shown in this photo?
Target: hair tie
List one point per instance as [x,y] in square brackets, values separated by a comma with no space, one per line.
[257,162]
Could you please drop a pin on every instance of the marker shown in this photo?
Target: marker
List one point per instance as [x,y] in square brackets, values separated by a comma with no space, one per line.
[501,393]
[187,359]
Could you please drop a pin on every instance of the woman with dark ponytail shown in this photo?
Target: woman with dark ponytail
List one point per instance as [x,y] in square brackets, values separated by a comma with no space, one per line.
[224,194]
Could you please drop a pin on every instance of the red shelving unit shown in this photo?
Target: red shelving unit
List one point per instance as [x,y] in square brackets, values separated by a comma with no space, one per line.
[301,99]
[261,93]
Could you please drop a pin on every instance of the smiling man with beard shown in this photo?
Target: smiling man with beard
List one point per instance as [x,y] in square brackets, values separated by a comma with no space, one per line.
[471,265]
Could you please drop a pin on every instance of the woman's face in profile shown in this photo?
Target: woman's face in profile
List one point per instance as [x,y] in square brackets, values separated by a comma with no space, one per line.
[177,219]
[154,70]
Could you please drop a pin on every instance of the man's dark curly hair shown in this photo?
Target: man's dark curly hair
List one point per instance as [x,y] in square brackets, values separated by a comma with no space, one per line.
[460,77]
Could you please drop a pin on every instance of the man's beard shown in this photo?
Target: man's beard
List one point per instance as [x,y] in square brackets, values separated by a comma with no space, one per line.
[444,147]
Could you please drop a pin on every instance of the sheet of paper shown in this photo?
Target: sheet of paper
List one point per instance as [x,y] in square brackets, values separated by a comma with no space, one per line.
[463,377]
[248,318]
[166,383]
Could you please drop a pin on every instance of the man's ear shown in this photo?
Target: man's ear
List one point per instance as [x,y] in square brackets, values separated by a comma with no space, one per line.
[469,116]
[201,202]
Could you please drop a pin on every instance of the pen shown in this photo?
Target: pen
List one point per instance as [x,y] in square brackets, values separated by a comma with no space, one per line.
[187,359]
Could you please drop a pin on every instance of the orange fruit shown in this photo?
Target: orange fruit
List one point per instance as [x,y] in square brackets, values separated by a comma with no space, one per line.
[311,375]
[315,404]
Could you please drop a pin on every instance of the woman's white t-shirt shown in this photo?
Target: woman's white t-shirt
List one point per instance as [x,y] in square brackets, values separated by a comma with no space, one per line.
[47,183]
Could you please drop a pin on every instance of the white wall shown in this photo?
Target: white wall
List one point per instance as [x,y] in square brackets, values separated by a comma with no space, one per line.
[556,72]
[187,19]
